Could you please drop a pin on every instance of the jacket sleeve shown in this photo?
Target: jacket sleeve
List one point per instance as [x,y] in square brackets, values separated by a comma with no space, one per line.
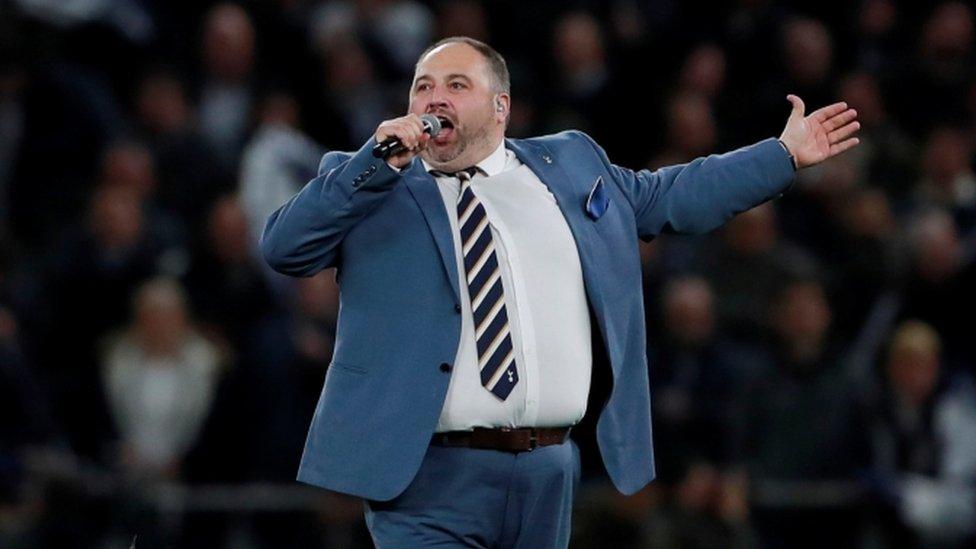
[302,237]
[701,195]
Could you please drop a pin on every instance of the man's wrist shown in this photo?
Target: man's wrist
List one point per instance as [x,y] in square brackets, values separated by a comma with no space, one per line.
[790,154]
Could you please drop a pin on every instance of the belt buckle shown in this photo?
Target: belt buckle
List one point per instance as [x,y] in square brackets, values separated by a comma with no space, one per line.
[533,441]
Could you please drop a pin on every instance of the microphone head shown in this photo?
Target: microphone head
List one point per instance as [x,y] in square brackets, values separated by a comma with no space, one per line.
[432,124]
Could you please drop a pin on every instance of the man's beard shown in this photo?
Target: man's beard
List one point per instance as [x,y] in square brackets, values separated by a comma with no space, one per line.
[444,155]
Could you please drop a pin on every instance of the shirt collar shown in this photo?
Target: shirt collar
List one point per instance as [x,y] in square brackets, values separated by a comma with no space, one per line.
[493,164]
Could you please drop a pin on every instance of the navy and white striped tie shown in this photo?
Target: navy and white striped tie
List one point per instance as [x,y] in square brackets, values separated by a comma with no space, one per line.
[496,356]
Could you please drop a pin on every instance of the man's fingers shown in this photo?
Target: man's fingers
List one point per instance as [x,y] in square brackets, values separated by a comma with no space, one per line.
[826,112]
[846,131]
[408,134]
[843,146]
[407,129]
[839,120]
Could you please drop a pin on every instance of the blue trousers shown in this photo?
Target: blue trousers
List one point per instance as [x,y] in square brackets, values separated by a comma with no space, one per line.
[466,497]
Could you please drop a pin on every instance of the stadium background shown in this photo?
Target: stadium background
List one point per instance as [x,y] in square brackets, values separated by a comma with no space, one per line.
[811,363]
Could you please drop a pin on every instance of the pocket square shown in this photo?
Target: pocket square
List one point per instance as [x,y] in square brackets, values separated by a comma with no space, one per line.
[598,201]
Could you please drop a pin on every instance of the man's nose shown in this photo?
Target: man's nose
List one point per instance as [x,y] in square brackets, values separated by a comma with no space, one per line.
[436,101]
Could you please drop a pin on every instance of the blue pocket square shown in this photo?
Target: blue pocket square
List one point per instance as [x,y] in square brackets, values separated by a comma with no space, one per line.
[598,201]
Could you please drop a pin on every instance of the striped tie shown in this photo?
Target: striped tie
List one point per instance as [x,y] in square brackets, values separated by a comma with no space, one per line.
[496,356]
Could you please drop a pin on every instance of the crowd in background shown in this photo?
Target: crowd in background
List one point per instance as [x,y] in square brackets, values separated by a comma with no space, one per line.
[811,363]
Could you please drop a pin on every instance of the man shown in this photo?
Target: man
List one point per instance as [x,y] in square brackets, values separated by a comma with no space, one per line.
[463,349]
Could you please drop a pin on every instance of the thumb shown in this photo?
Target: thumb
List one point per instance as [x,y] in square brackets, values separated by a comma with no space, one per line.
[798,107]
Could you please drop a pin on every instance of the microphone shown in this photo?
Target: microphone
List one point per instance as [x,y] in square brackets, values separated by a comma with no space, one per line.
[391,146]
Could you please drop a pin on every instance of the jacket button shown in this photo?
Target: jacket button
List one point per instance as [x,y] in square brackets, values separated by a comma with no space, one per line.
[446,368]
[457,307]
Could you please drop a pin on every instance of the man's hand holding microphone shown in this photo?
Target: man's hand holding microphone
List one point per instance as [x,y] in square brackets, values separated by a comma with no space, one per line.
[400,139]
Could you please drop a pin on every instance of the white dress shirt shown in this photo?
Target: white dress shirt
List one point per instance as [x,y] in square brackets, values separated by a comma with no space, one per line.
[545,298]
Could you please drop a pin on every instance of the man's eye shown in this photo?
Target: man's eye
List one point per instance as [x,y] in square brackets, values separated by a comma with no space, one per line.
[422,87]
[457,85]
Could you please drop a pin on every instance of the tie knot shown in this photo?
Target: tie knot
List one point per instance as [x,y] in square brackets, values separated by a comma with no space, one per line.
[463,175]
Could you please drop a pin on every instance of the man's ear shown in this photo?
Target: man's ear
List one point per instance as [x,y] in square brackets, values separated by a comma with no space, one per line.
[502,105]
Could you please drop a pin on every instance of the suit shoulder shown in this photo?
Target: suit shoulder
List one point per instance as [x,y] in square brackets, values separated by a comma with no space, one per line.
[563,138]
[331,159]
[573,141]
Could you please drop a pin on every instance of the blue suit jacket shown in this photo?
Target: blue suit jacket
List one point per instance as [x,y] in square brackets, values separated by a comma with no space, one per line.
[389,236]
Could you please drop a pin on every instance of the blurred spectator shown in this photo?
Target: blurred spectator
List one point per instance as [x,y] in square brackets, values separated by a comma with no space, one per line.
[808,51]
[806,48]
[277,162]
[941,285]
[97,270]
[948,180]
[350,97]
[581,93]
[750,259]
[867,257]
[690,129]
[225,283]
[885,155]
[581,56]
[946,63]
[705,74]
[694,372]
[924,438]
[801,421]
[188,177]
[227,90]
[128,165]
[704,71]
[69,114]
[159,376]
[463,18]
[880,44]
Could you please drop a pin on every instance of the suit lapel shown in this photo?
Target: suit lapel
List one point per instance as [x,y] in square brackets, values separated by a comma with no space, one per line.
[424,190]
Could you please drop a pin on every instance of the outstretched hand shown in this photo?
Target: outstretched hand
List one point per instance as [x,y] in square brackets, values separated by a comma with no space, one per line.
[824,133]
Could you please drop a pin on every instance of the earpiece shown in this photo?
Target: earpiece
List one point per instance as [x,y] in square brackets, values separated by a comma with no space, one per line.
[498,105]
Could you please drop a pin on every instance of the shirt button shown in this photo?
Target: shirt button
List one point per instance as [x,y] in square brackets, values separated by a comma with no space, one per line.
[457,307]
[446,368]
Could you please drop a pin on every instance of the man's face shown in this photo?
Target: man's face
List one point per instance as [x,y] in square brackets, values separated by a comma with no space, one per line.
[453,83]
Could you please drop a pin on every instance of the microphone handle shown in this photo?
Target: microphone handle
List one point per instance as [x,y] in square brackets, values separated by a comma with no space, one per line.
[390,146]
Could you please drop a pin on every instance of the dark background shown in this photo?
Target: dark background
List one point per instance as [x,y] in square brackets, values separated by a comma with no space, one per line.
[811,362]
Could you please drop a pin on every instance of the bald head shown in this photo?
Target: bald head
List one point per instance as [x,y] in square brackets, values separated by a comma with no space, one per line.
[494,64]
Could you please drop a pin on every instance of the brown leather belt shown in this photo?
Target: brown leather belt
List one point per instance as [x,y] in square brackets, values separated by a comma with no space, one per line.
[506,439]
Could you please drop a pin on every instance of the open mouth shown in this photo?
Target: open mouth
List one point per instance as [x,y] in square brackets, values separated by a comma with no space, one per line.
[447,129]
